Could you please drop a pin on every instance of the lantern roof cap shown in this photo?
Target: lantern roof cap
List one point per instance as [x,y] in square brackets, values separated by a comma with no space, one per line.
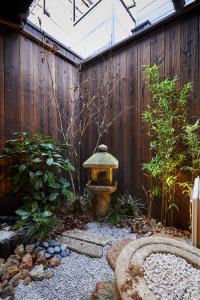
[101,159]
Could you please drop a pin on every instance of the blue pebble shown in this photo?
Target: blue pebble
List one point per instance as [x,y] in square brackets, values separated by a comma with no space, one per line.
[53,243]
[39,248]
[64,253]
[57,249]
[58,256]
[47,255]
[63,247]
[45,245]
[50,250]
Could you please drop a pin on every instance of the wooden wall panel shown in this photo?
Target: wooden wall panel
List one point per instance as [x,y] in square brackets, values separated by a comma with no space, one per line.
[175,48]
[12,115]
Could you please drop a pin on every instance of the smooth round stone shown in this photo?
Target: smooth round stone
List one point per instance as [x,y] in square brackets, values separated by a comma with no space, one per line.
[45,245]
[53,243]
[64,253]
[58,256]
[63,247]
[57,249]
[47,255]
[39,248]
[50,250]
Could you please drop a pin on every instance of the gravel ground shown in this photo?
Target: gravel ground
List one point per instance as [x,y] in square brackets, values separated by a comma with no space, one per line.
[171,277]
[76,277]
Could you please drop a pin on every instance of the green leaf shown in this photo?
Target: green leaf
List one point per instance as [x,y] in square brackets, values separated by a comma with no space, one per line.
[23,214]
[38,173]
[46,214]
[49,161]
[53,196]
[22,168]
[37,160]
[70,196]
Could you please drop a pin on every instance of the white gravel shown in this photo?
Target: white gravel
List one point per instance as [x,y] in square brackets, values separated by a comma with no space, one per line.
[171,277]
[76,277]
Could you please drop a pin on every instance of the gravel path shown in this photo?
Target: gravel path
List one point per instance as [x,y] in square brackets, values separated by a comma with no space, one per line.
[171,277]
[76,277]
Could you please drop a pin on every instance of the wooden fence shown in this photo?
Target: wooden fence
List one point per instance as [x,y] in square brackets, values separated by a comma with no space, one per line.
[26,95]
[174,46]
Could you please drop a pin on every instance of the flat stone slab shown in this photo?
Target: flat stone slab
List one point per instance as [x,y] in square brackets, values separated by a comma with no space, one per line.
[88,237]
[4,234]
[82,247]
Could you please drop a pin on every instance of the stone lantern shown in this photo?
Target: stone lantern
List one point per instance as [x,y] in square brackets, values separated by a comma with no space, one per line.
[101,184]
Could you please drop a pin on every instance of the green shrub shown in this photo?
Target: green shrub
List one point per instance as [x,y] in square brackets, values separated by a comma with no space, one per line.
[167,117]
[38,175]
[123,205]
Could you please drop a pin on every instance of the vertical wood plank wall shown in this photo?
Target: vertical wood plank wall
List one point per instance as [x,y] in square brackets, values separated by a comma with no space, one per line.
[26,97]
[26,102]
[175,48]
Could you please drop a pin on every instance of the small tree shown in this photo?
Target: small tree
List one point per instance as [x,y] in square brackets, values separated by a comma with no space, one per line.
[168,123]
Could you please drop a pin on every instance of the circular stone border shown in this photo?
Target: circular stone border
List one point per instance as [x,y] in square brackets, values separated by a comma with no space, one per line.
[129,273]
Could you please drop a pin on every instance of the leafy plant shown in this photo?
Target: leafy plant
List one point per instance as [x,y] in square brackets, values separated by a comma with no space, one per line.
[123,205]
[172,140]
[38,175]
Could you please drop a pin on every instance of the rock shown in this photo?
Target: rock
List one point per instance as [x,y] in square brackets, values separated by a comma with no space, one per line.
[39,248]
[20,250]
[54,262]
[15,257]
[50,250]
[100,290]
[41,260]
[2,261]
[1,270]
[48,255]
[27,280]
[37,273]
[15,280]
[57,249]
[58,256]
[40,253]
[48,274]
[27,262]
[63,247]
[30,248]
[4,283]
[24,273]
[11,271]
[114,252]
[53,243]
[6,292]
[45,245]
[64,253]
[12,262]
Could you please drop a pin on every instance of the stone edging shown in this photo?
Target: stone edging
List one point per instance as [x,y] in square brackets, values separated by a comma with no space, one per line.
[130,283]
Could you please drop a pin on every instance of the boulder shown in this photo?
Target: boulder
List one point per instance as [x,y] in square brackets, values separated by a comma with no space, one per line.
[37,273]
[27,262]
[4,283]
[54,262]
[24,273]
[6,292]
[27,280]
[2,261]
[30,248]
[15,280]
[40,260]
[20,250]
[11,271]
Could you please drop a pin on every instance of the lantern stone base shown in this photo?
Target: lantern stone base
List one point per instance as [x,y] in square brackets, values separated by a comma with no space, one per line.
[101,200]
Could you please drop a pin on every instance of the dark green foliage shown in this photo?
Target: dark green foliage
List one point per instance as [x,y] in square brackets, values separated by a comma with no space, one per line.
[38,174]
[123,205]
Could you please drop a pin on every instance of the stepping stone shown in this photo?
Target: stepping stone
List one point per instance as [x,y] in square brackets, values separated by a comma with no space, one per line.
[88,236]
[82,247]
